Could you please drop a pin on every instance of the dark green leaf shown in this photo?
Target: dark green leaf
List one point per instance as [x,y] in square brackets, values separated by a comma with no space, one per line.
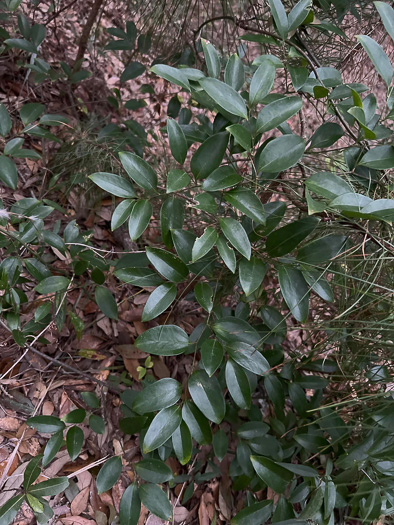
[327,185]
[177,140]
[182,443]
[113,184]
[30,112]
[21,43]
[75,416]
[238,384]
[252,430]
[298,14]
[51,487]
[139,218]
[382,209]
[220,444]
[156,396]
[248,203]
[236,235]
[234,73]
[163,340]
[295,292]
[326,135]
[282,241]
[378,57]
[132,70]
[8,172]
[211,355]
[222,178]
[91,399]
[262,82]
[275,476]
[5,121]
[169,265]
[162,427]
[46,424]
[138,170]
[204,295]
[154,499]
[231,329]
[97,424]
[130,506]
[106,302]
[281,153]
[109,474]
[209,155]
[207,395]
[211,59]
[256,513]
[386,13]
[121,213]
[277,112]
[300,470]
[322,250]
[176,76]
[318,284]
[226,253]
[153,470]
[299,76]
[204,244]
[197,423]
[280,17]
[379,158]
[143,277]
[32,472]
[74,442]
[248,357]
[9,510]
[177,180]
[251,274]
[159,301]
[225,96]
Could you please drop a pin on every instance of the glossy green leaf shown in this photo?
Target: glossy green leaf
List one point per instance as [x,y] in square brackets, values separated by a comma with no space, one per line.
[153,470]
[5,121]
[131,71]
[221,178]
[225,96]
[281,153]
[91,399]
[318,284]
[139,218]
[298,14]
[204,244]
[211,59]
[247,202]
[50,487]
[285,239]
[139,170]
[113,184]
[295,291]
[161,428]
[173,75]
[275,476]
[274,320]
[378,57]
[351,203]
[9,510]
[130,506]
[236,235]
[211,355]
[177,140]
[177,180]
[74,442]
[172,215]
[106,302]
[197,423]
[204,295]
[277,112]
[8,172]
[97,424]
[230,329]
[327,185]
[75,416]
[234,73]
[155,500]
[382,209]
[220,444]
[121,213]
[163,340]
[168,264]
[299,76]
[158,395]
[209,155]
[386,13]
[262,82]
[242,135]
[226,253]
[182,443]
[258,512]
[143,277]
[32,472]
[251,274]
[252,430]
[238,385]
[109,474]
[30,112]
[280,17]
[313,506]
[379,158]
[184,241]
[158,302]
[300,470]
[207,395]
[248,357]
[326,135]
[330,491]
[46,424]
[52,447]
[322,250]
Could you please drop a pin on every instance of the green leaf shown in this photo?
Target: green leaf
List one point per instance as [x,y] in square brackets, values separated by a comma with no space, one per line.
[322,250]
[251,274]
[330,492]
[8,172]
[236,235]
[225,96]
[159,301]
[106,302]
[298,14]
[211,59]
[177,140]
[300,470]
[177,180]
[97,424]
[281,153]
[318,284]
[211,355]
[207,395]
[248,357]
[183,242]
[386,13]
[204,244]
[242,135]
[204,294]
[252,430]
[30,112]
[91,399]
[109,474]
[173,75]
[231,329]
[382,209]
[262,82]
[21,43]
[132,70]
[273,475]
[121,213]
[9,510]
[378,57]
[226,253]
[351,203]
[234,73]
[220,444]
[153,470]
[130,506]
[285,239]
[280,17]
[163,340]
[172,214]
[378,158]
[247,202]
[222,178]
[13,146]
[5,121]
[197,423]
[238,385]
[113,184]
[51,487]
[277,112]
[139,170]
[143,277]
[182,443]
[139,218]
[209,155]
[158,395]
[46,424]
[295,291]
[169,265]
[314,504]
[256,513]
[299,76]
[326,135]
[32,472]
[155,500]
[327,185]
[75,416]
[74,442]
[162,427]
[52,447]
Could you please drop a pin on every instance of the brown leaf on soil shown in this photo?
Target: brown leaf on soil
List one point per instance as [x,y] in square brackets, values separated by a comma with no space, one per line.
[79,503]
[76,520]
[10,424]
[130,352]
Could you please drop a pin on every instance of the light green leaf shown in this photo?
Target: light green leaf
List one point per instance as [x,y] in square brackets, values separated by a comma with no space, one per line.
[197,423]
[109,474]
[285,239]
[379,158]
[177,140]
[173,75]
[211,59]
[5,121]
[382,209]
[298,14]
[225,96]
[327,185]
[251,274]
[182,443]
[209,155]
[248,357]
[236,235]
[139,170]
[222,178]
[280,17]
[8,172]
[277,112]
[281,153]
[238,385]
[113,184]
[211,355]
[159,301]
[155,500]
[386,13]
[273,475]
[204,295]
[295,291]
[378,57]
[207,395]
[204,244]
[234,73]
[168,264]
[153,470]
[163,340]
[139,218]
[130,506]
[106,302]
[226,253]
[262,82]
[162,427]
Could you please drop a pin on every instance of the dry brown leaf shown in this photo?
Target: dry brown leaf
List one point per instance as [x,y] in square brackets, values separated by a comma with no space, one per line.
[79,503]
[47,408]
[10,424]
[130,352]
[77,520]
